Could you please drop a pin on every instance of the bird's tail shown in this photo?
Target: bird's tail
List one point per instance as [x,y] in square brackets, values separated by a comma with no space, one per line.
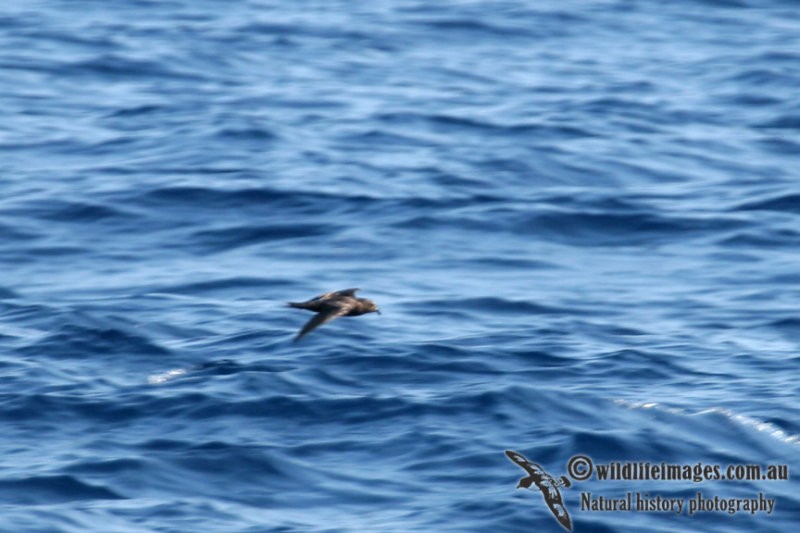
[298,305]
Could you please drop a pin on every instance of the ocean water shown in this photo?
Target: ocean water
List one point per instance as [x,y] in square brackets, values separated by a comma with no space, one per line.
[581,220]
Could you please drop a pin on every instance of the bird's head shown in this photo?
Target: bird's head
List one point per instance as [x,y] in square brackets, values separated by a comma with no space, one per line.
[373,308]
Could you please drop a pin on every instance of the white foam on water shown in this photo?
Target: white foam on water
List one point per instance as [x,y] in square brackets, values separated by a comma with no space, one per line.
[759,425]
[745,420]
[158,379]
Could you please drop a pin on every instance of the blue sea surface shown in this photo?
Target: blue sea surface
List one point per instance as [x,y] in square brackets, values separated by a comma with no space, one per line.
[581,220]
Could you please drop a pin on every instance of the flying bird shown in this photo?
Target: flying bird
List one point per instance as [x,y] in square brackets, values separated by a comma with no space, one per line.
[332,305]
[545,483]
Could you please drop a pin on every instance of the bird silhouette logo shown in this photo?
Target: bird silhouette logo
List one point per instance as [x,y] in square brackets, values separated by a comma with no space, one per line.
[545,483]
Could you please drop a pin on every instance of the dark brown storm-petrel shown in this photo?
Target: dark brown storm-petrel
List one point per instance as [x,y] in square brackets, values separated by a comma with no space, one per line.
[333,305]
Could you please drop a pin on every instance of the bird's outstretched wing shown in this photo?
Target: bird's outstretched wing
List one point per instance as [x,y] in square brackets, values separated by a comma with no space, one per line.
[322,317]
[325,296]
[552,497]
[345,292]
[520,460]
